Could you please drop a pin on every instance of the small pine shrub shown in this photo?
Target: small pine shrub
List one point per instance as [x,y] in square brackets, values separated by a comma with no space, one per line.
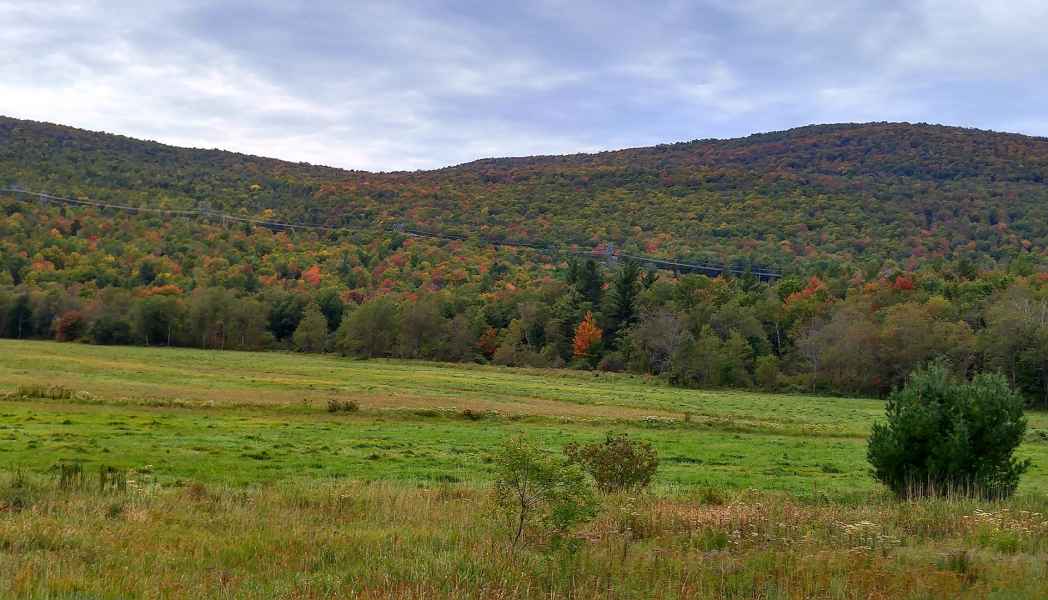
[950,438]
[617,463]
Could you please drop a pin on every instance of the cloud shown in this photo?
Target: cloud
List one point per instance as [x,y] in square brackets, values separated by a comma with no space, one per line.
[407,85]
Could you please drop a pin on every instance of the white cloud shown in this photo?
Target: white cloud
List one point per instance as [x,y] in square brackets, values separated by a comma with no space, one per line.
[397,85]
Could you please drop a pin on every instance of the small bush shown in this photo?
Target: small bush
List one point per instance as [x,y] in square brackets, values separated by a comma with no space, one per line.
[334,405]
[945,437]
[618,463]
[538,489]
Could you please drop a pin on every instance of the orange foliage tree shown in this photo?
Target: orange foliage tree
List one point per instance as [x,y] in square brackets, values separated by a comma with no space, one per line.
[587,334]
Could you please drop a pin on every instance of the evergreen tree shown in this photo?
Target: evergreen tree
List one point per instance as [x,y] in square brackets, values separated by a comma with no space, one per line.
[622,302]
[590,282]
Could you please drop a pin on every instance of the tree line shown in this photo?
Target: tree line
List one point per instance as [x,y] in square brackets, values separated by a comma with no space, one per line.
[799,334]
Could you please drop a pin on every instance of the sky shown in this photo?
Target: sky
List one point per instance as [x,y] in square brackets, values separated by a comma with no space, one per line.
[415,85]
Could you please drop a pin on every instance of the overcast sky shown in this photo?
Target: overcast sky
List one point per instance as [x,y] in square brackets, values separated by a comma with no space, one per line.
[405,85]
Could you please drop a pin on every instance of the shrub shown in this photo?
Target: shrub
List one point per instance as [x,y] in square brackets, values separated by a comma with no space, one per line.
[539,489]
[335,405]
[617,463]
[947,437]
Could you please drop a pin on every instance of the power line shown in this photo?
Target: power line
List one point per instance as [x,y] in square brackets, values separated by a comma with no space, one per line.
[667,264]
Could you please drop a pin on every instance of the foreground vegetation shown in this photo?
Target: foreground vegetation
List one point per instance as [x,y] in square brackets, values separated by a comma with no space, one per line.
[339,539]
[180,473]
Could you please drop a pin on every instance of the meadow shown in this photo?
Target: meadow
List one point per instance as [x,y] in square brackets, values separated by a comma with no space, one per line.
[237,481]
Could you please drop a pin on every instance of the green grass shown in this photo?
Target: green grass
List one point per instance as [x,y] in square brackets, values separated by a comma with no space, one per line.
[240,484]
[243,418]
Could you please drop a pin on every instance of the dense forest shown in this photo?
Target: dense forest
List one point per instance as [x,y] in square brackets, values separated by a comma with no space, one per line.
[897,243]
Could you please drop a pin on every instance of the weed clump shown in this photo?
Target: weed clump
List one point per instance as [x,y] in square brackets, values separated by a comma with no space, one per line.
[112,479]
[49,392]
[476,415]
[335,405]
[70,475]
[43,392]
[16,493]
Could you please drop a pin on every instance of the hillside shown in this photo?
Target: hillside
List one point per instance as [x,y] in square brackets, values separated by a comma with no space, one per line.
[899,244]
[856,194]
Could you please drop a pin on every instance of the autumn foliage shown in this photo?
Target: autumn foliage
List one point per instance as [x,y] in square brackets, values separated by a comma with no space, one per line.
[898,244]
[587,335]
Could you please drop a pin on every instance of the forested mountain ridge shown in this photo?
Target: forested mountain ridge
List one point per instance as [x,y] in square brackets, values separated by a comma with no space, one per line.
[899,244]
[856,194]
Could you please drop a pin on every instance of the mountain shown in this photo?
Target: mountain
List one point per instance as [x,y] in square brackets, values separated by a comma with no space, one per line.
[898,244]
[846,195]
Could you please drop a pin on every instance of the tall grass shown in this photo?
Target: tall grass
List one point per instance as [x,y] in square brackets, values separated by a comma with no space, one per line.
[384,540]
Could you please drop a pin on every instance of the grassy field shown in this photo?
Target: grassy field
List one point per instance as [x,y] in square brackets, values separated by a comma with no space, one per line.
[242,484]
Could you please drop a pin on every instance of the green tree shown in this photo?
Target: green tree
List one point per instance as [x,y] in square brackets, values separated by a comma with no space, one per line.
[422,329]
[208,314]
[1015,341]
[311,333]
[248,324]
[285,311]
[332,306]
[950,437]
[736,357]
[589,281]
[156,319]
[370,330]
[767,372]
[621,309]
[146,272]
[540,489]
